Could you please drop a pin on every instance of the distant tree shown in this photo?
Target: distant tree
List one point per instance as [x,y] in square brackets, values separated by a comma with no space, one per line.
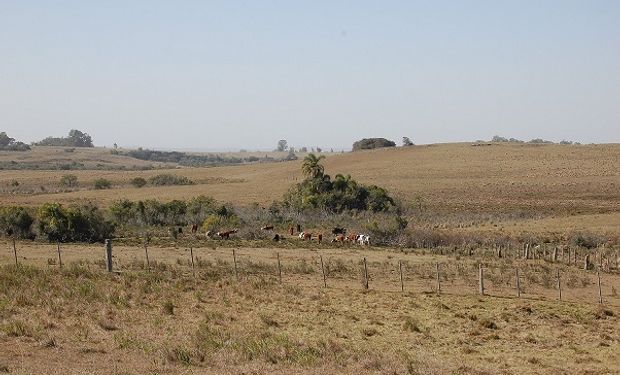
[318,149]
[371,143]
[282,145]
[9,144]
[303,149]
[407,141]
[76,138]
[291,154]
[16,221]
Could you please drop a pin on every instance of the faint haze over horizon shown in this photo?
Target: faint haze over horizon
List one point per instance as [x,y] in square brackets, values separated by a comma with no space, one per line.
[229,75]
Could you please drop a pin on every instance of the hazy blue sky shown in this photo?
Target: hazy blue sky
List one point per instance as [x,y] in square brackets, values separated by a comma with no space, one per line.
[243,74]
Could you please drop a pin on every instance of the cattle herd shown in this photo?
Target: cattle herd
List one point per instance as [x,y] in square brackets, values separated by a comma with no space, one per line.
[339,235]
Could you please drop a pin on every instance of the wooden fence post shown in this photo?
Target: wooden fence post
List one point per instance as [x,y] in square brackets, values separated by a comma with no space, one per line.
[365,274]
[438,280]
[600,289]
[108,253]
[146,252]
[400,269]
[59,257]
[323,271]
[279,268]
[235,264]
[480,279]
[191,254]
[15,251]
[586,262]
[518,283]
[559,285]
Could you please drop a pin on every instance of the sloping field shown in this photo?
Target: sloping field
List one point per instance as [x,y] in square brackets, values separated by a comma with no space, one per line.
[550,180]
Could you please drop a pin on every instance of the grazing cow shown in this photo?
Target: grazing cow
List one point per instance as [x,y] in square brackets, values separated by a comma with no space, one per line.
[209,234]
[290,230]
[194,228]
[298,228]
[267,227]
[351,237]
[305,236]
[337,230]
[338,238]
[276,238]
[320,238]
[226,234]
[363,239]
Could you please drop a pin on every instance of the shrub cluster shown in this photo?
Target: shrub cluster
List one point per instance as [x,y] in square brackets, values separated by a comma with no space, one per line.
[191,160]
[371,143]
[318,190]
[169,179]
[76,138]
[84,223]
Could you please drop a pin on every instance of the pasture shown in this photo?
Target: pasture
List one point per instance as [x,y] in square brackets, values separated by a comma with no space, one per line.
[202,306]
[175,318]
[502,188]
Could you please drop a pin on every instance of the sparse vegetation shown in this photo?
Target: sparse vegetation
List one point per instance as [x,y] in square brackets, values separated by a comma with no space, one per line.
[372,143]
[102,183]
[167,179]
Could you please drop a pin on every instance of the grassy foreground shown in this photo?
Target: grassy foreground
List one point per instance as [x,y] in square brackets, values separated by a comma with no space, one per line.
[80,320]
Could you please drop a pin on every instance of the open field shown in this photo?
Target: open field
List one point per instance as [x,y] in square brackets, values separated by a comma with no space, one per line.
[83,320]
[510,187]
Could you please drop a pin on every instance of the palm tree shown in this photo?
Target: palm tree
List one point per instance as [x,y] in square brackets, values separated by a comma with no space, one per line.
[311,166]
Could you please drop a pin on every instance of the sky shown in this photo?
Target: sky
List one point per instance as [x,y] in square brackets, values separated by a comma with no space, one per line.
[229,74]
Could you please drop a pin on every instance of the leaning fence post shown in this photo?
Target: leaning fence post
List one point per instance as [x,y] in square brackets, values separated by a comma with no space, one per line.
[365,275]
[191,254]
[235,264]
[323,271]
[15,251]
[518,283]
[559,285]
[279,268]
[59,257]
[480,279]
[108,253]
[438,280]
[400,269]
[146,252]
[600,290]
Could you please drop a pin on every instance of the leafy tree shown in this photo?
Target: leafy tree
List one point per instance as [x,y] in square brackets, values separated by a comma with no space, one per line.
[76,138]
[282,145]
[407,142]
[8,144]
[53,222]
[311,166]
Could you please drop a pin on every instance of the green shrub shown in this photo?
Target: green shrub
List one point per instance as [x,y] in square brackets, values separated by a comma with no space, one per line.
[169,179]
[69,180]
[102,183]
[371,143]
[81,223]
[138,182]
[16,221]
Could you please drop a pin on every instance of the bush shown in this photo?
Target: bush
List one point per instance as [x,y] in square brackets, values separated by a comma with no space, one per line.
[69,180]
[138,182]
[16,221]
[372,143]
[169,179]
[76,138]
[77,223]
[102,183]
[9,144]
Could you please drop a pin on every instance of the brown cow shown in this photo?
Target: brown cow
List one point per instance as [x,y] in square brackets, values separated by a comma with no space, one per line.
[226,234]
[351,237]
[320,238]
[194,228]
[338,238]
[290,230]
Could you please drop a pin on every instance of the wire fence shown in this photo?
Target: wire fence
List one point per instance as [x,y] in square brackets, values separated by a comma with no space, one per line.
[345,269]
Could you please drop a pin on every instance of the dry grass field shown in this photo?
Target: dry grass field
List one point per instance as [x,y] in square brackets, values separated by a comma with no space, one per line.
[519,187]
[82,320]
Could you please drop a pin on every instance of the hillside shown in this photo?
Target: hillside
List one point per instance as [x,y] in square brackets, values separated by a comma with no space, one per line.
[507,181]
